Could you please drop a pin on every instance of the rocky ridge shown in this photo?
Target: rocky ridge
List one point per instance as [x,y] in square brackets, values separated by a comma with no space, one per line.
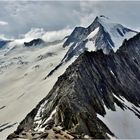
[94,83]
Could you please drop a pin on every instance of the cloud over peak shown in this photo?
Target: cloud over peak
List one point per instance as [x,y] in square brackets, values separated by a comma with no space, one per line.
[48,36]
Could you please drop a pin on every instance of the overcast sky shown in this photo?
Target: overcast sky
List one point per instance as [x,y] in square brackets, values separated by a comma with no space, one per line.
[18,17]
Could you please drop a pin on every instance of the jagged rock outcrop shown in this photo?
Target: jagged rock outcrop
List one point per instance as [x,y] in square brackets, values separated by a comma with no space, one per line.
[34,42]
[95,81]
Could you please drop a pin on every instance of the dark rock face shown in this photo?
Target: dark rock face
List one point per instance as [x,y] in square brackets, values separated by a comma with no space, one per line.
[3,43]
[88,85]
[34,42]
[77,35]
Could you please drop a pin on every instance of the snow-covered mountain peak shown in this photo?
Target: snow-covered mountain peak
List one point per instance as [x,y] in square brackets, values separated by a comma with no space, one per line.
[110,26]
[102,33]
[116,31]
[99,20]
[102,18]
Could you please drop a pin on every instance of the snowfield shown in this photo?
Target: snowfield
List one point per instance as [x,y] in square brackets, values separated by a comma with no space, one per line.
[122,122]
[22,81]
[116,31]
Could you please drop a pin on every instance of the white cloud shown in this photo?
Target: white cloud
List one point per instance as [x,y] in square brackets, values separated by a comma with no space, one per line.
[48,36]
[89,10]
[3,23]
[50,15]
[56,35]
[34,33]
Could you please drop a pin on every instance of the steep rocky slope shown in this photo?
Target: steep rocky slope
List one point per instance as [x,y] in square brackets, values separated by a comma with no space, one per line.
[93,87]
[22,70]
